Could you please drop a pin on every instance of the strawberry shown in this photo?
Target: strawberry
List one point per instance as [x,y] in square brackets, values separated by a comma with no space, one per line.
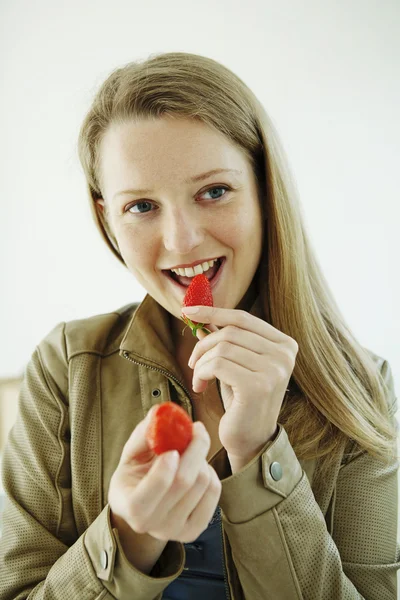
[170,428]
[198,294]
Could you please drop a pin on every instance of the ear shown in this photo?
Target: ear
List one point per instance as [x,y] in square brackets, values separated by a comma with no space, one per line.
[100,205]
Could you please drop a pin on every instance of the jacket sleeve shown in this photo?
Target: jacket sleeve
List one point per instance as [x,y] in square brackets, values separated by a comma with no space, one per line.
[41,554]
[278,537]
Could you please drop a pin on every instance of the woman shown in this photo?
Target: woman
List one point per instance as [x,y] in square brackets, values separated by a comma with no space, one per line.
[289,486]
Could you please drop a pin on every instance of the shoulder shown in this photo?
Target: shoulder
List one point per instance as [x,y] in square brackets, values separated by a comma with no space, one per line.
[384,370]
[98,334]
[376,359]
[49,366]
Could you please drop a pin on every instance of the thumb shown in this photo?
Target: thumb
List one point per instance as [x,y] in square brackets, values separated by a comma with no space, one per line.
[200,334]
[137,447]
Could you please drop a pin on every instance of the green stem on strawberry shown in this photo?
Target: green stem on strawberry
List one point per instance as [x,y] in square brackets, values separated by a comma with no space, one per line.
[195,326]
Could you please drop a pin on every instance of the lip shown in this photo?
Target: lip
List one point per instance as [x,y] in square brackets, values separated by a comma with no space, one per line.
[194,264]
[213,282]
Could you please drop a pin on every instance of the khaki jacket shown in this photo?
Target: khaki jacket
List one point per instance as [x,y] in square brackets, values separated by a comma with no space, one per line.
[87,385]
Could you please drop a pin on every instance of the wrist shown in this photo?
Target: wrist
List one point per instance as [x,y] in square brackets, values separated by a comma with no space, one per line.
[239,462]
[142,550]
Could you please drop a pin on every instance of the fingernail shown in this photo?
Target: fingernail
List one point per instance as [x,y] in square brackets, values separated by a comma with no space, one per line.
[190,310]
[172,459]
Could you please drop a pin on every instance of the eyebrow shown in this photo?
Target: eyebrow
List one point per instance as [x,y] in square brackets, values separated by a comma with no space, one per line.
[186,181]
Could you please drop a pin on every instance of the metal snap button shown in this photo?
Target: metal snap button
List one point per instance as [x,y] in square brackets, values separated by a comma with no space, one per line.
[104,559]
[276,471]
[155,393]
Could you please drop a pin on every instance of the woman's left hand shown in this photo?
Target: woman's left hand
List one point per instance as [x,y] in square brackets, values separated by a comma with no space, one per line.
[254,362]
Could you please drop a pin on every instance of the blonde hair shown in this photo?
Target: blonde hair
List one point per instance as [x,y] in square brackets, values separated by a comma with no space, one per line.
[337,393]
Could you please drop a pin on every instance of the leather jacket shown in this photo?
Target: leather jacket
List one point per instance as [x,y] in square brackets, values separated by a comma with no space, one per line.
[87,385]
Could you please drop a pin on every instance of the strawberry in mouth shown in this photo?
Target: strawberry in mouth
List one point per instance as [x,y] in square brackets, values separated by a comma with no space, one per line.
[198,294]
[197,289]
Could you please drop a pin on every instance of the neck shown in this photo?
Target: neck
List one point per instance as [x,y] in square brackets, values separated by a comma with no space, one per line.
[182,336]
[250,297]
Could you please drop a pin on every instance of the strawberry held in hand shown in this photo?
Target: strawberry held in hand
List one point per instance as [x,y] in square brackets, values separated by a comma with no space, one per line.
[198,293]
[170,428]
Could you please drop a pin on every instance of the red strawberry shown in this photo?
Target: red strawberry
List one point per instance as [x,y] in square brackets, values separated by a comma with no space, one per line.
[170,428]
[198,294]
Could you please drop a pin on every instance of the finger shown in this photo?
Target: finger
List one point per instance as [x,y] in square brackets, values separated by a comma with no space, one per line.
[205,509]
[232,316]
[151,490]
[190,465]
[247,360]
[196,452]
[203,512]
[170,523]
[233,335]
[202,334]
[136,447]
[151,493]
[191,516]
[223,369]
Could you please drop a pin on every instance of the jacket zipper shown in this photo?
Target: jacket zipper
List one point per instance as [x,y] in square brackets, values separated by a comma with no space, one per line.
[227,592]
[169,375]
[198,575]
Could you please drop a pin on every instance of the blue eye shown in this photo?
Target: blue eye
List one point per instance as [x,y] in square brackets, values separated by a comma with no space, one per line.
[148,203]
[139,204]
[216,188]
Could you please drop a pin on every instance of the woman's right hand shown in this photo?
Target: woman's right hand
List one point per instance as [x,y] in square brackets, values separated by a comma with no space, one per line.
[168,497]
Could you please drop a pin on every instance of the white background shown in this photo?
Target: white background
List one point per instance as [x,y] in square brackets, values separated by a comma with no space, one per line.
[326,72]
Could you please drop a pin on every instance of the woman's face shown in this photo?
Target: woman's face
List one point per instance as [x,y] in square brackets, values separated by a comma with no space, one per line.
[181,216]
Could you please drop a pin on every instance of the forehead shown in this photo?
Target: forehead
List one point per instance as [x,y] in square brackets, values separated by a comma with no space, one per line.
[164,150]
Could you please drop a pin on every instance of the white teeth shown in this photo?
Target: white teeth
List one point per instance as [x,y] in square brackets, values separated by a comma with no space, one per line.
[197,270]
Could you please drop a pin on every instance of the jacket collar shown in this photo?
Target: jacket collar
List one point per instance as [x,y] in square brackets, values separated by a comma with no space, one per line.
[148,336]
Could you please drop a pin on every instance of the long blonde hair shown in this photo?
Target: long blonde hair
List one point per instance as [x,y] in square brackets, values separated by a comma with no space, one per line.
[337,392]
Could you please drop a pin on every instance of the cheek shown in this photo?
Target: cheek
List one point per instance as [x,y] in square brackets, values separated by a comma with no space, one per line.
[136,247]
[238,229]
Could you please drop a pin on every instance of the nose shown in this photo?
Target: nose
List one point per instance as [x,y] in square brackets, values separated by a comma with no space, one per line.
[183,231]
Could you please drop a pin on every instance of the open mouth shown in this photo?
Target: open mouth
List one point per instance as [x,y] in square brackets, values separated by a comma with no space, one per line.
[213,274]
